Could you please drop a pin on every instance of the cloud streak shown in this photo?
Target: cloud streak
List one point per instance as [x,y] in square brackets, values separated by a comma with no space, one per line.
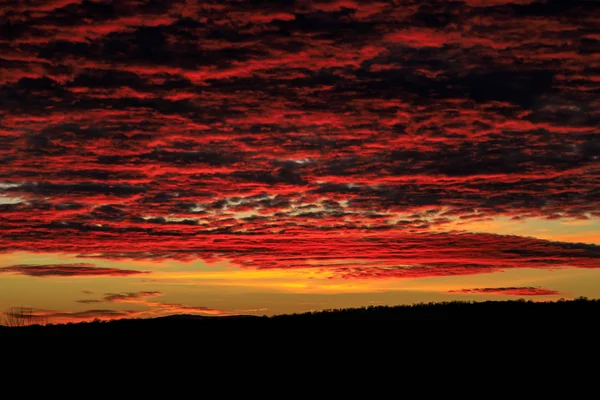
[66,270]
[157,308]
[509,291]
[63,317]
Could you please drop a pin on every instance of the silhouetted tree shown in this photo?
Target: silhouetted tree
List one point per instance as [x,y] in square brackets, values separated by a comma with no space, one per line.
[23,316]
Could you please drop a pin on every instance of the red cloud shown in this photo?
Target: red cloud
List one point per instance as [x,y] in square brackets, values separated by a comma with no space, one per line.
[66,270]
[418,38]
[510,291]
[340,135]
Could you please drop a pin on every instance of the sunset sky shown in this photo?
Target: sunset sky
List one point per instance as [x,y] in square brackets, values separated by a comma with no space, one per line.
[266,157]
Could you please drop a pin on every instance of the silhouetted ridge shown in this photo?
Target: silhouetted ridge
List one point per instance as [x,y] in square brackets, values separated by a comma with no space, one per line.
[579,315]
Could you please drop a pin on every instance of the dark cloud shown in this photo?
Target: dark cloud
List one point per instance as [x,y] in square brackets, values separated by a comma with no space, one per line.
[510,291]
[89,301]
[66,270]
[124,297]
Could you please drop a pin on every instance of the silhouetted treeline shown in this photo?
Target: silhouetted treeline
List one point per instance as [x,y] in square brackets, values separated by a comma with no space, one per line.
[517,315]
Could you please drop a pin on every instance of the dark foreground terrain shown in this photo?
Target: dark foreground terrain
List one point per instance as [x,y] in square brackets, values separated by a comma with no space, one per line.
[434,346]
[579,317]
[468,339]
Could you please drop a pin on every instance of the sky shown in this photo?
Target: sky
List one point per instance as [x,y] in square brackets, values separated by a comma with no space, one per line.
[268,157]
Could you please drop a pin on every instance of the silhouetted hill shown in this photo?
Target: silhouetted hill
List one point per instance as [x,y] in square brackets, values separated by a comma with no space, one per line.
[449,317]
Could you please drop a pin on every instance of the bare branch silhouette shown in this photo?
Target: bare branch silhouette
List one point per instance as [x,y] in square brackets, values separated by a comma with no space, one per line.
[23,316]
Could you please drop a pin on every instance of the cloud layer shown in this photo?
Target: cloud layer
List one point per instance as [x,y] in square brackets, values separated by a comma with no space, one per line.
[343,135]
